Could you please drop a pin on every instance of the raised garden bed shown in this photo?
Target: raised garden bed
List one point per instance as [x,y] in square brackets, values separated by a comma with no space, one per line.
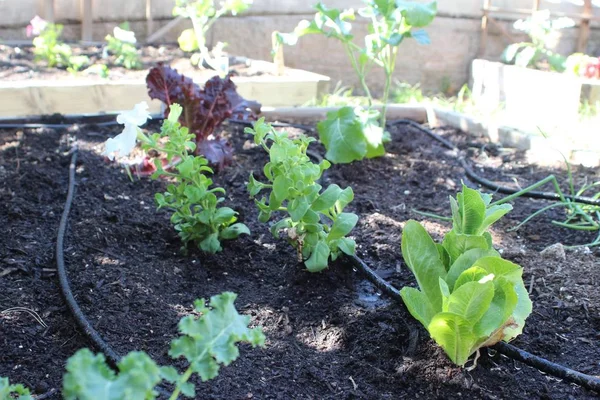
[30,89]
[329,335]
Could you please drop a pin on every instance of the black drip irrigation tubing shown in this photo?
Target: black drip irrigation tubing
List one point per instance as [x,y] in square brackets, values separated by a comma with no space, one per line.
[587,381]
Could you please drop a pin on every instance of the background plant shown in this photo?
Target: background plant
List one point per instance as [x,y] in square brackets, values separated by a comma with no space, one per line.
[206,343]
[469,296]
[196,216]
[122,45]
[541,29]
[203,14]
[390,22]
[50,48]
[294,190]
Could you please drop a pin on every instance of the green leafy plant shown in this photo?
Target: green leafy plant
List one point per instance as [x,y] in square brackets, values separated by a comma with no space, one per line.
[294,190]
[50,48]
[390,22]
[203,14]
[196,216]
[540,28]
[205,343]
[13,392]
[122,45]
[469,296]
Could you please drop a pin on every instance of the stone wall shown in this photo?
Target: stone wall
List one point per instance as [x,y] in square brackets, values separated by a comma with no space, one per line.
[455,34]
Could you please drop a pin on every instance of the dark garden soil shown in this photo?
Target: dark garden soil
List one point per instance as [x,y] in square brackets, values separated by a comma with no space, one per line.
[17,63]
[329,335]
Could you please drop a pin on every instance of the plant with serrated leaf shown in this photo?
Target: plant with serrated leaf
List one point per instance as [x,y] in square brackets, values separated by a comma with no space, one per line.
[353,134]
[206,343]
[469,296]
[203,14]
[294,190]
[13,392]
[196,216]
[204,110]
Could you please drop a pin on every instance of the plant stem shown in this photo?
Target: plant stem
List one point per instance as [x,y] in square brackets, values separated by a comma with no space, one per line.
[184,378]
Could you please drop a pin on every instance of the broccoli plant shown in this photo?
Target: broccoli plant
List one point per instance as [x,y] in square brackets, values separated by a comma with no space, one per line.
[469,296]
[196,216]
[122,45]
[353,134]
[293,189]
[205,343]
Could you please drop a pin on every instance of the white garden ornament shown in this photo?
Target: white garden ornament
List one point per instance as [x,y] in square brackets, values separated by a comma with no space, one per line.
[124,142]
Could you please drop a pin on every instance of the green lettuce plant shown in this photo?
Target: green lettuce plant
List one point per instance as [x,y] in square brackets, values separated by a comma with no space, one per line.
[355,133]
[293,189]
[196,216]
[469,296]
[205,343]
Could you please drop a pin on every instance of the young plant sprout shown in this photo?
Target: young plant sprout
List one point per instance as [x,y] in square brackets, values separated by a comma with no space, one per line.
[353,134]
[196,215]
[294,190]
[469,296]
[205,343]
[49,48]
[122,45]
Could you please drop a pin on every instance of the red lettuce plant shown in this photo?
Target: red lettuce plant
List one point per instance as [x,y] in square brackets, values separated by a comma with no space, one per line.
[204,110]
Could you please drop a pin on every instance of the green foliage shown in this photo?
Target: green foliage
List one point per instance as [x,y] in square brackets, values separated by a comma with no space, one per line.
[203,14]
[534,54]
[122,46]
[389,22]
[49,48]
[294,189]
[469,296]
[196,215]
[206,343]
[13,392]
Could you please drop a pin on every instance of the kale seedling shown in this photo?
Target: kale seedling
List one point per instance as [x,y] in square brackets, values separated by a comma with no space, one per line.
[122,45]
[353,134]
[294,190]
[206,343]
[469,296]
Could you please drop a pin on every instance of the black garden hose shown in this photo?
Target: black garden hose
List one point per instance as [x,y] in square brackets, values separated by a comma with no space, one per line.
[487,183]
[543,365]
[83,323]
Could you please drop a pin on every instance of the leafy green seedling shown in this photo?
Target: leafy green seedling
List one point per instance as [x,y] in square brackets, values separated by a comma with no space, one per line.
[196,216]
[469,296]
[293,189]
[13,392]
[122,45]
[206,343]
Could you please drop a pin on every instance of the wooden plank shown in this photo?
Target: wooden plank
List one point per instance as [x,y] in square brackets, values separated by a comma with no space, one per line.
[584,29]
[87,20]
[46,9]
[523,11]
[278,58]
[162,31]
[484,27]
[149,18]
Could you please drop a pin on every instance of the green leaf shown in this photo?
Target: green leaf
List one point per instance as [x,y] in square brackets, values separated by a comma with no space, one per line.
[211,340]
[224,215]
[188,389]
[473,274]
[319,258]
[500,309]
[471,300]
[211,243]
[298,208]
[233,231]
[454,334]
[342,226]
[466,261]
[417,15]
[327,199]
[472,211]
[347,245]
[13,392]
[345,198]
[458,244]
[421,255]
[418,305]
[421,36]
[254,186]
[343,137]
[493,214]
[281,186]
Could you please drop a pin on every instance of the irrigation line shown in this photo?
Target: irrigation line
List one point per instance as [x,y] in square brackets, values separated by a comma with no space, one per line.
[543,365]
[65,288]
